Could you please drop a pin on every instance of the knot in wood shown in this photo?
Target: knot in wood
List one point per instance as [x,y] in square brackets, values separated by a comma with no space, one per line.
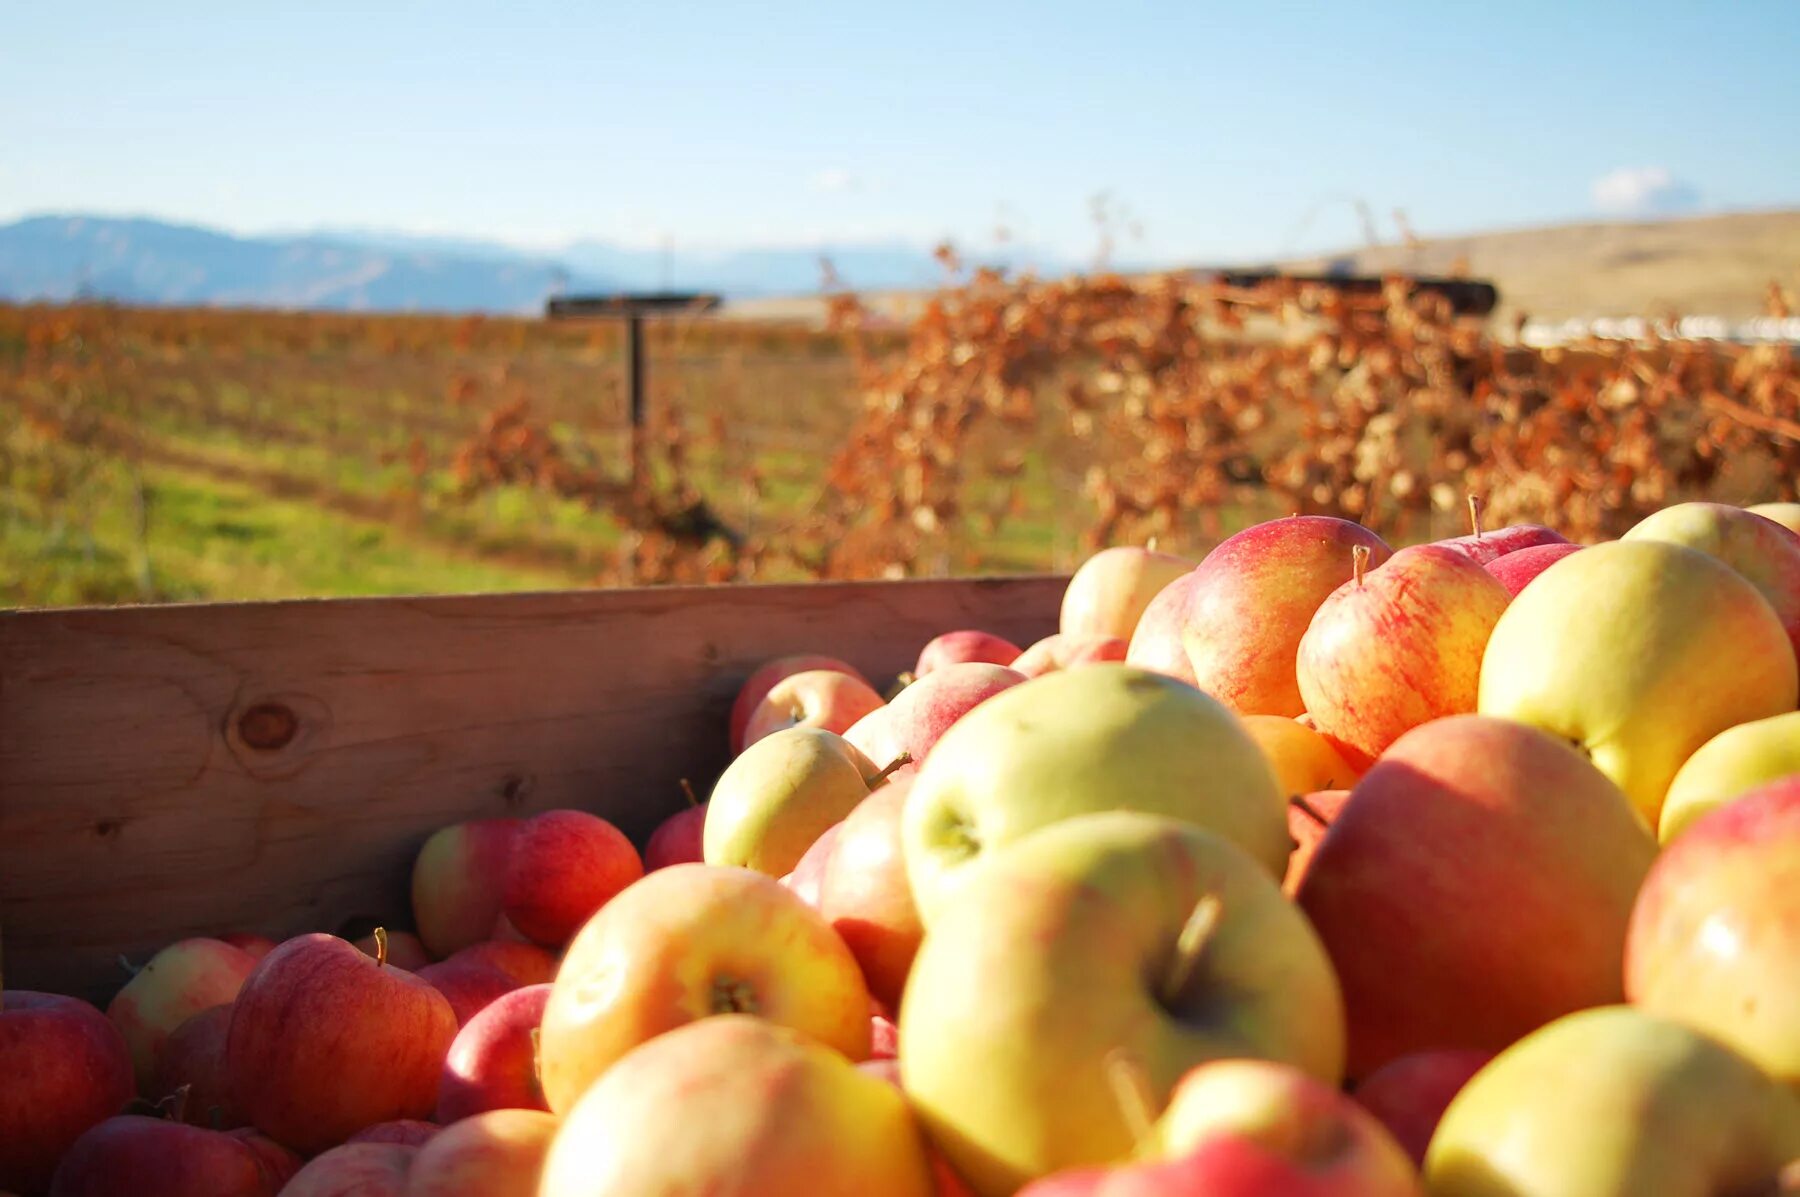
[268,726]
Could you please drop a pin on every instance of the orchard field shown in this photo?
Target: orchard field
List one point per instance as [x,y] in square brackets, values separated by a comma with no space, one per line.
[1011,425]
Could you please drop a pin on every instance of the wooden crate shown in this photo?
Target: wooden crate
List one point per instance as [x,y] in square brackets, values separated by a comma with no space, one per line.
[273,767]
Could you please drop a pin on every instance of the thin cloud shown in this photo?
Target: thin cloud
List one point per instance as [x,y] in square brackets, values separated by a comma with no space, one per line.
[835,179]
[1643,191]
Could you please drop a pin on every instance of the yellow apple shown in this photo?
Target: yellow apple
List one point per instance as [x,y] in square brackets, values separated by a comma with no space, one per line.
[1733,762]
[497,1153]
[737,1105]
[1638,652]
[1304,761]
[1110,590]
[1614,1102]
[1764,552]
[182,980]
[779,795]
[1107,737]
[1104,933]
[685,943]
[1785,514]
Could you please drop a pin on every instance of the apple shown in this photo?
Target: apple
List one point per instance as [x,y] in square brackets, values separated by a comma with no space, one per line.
[410,1132]
[1303,760]
[257,945]
[1398,647]
[1254,1128]
[1109,932]
[66,1067]
[1515,571]
[1108,737]
[884,1040]
[459,881]
[687,942]
[757,686]
[1057,651]
[1715,937]
[808,876]
[525,963]
[325,1041]
[912,723]
[1309,817]
[1409,1095]
[355,1170]
[492,1064]
[278,1162]
[1639,652]
[1615,1102]
[177,983]
[692,1111]
[154,1157]
[964,647]
[565,865]
[1734,762]
[1110,591]
[468,987]
[678,839]
[1156,644]
[820,698]
[499,1153]
[865,896]
[1485,548]
[948,1183]
[1473,841]
[194,1056]
[1785,514]
[1761,550]
[776,799]
[1252,600]
[404,949]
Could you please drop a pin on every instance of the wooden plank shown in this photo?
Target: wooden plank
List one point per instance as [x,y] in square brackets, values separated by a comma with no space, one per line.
[172,771]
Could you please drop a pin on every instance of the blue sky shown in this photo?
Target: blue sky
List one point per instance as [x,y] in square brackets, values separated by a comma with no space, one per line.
[1223,131]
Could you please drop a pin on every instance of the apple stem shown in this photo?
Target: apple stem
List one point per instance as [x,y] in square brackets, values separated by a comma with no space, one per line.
[1202,921]
[797,713]
[1130,1083]
[537,1058]
[687,788]
[1359,562]
[901,682]
[381,947]
[174,1106]
[1475,515]
[131,970]
[1309,810]
[892,767]
[1150,545]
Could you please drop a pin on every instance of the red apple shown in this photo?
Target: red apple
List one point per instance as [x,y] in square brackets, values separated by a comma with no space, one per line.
[679,839]
[924,711]
[884,1038]
[469,988]
[496,1154]
[1473,841]
[257,945]
[817,698]
[1399,646]
[1156,644]
[1252,599]
[154,1157]
[1309,817]
[865,895]
[194,1055]
[325,1041]
[964,647]
[1409,1095]
[409,1132]
[808,877]
[758,685]
[525,963]
[1058,651]
[566,864]
[63,1068]
[177,983]
[355,1170]
[458,883]
[404,949]
[492,1065]
[1484,548]
[277,1161]
[1516,570]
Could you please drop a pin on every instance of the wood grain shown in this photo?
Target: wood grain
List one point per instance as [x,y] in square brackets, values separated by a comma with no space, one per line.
[190,770]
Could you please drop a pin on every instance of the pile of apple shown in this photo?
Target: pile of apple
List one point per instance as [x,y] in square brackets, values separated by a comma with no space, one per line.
[1470,869]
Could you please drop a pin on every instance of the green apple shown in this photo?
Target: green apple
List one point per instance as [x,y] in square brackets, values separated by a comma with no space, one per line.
[1764,552]
[1107,737]
[779,795]
[1734,762]
[1614,1102]
[1109,933]
[1638,652]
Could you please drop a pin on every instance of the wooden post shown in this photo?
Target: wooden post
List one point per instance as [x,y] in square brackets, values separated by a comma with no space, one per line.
[634,383]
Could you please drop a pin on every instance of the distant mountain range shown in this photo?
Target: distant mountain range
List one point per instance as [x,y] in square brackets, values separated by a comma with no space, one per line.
[142,261]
